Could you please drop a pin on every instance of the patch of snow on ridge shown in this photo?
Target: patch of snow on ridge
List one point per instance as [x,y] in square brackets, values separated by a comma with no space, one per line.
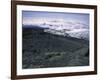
[80,33]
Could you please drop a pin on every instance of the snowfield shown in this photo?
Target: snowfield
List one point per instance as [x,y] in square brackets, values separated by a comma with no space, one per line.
[69,28]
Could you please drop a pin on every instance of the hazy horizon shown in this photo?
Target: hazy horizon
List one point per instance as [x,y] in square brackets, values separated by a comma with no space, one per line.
[37,17]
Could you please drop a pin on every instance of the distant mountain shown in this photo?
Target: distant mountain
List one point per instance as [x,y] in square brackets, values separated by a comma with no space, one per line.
[74,29]
[58,25]
[65,28]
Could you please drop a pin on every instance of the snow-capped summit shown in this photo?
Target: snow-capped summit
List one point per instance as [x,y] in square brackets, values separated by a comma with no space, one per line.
[74,29]
[62,27]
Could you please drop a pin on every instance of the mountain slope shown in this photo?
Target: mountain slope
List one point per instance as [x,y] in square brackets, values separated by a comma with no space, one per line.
[42,49]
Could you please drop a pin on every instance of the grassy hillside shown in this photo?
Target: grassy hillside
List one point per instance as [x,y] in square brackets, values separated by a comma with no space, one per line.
[42,50]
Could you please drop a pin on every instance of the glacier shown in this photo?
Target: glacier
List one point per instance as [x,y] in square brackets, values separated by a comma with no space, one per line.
[69,28]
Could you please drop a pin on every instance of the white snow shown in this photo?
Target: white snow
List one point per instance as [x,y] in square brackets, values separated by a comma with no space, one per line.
[74,28]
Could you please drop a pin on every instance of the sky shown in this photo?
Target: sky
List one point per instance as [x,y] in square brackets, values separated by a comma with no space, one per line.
[36,17]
